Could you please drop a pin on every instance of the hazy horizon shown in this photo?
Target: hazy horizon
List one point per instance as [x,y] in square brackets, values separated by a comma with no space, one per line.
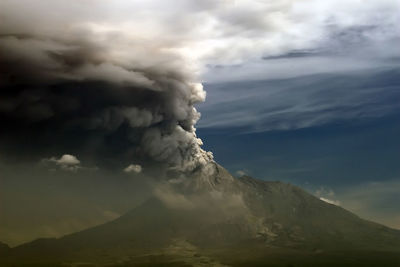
[107,104]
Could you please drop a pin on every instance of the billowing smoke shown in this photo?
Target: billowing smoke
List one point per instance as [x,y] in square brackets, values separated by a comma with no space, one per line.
[80,88]
[116,79]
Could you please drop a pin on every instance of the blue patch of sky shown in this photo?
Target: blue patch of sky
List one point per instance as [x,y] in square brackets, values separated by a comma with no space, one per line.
[320,129]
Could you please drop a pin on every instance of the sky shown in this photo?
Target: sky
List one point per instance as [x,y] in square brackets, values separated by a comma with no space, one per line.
[302,91]
[323,115]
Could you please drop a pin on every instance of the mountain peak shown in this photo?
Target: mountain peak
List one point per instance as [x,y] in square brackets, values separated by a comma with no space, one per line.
[225,214]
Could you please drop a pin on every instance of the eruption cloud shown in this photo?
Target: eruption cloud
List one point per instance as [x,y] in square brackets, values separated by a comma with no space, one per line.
[118,79]
[78,87]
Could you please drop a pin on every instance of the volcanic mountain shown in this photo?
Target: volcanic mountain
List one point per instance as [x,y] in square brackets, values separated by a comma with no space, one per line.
[218,220]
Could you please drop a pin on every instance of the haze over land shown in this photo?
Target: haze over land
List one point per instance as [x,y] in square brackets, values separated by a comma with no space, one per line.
[221,220]
[100,101]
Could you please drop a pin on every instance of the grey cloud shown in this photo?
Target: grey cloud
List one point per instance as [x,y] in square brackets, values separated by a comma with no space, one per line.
[301,102]
[214,32]
[96,92]
[105,78]
[288,66]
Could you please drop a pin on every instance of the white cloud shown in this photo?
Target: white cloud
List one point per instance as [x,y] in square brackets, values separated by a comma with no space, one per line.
[333,202]
[206,32]
[66,162]
[133,168]
[67,159]
[242,172]
[322,191]
[327,195]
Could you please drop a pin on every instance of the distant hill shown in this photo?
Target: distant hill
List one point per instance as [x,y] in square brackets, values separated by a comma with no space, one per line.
[220,220]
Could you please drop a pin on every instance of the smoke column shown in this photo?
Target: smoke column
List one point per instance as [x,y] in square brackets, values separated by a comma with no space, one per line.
[75,85]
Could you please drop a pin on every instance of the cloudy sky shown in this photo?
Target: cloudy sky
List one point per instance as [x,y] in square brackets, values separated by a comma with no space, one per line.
[304,91]
[315,103]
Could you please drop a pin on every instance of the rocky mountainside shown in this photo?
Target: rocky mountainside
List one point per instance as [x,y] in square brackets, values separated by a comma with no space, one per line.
[208,218]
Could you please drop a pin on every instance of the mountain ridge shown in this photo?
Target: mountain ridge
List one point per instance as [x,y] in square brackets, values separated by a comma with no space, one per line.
[230,215]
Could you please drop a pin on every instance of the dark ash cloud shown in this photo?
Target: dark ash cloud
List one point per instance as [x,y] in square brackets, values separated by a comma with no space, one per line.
[72,95]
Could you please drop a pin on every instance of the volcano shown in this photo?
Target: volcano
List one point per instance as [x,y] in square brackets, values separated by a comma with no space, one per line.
[219,220]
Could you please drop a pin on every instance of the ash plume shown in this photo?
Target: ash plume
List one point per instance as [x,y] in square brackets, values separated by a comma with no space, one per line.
[117,79]
[74,88]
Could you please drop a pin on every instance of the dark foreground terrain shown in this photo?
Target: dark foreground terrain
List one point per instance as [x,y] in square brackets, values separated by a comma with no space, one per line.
[218,220]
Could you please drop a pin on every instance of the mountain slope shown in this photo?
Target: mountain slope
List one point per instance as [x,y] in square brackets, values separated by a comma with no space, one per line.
[297,218]
[4,247]
[218,215]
